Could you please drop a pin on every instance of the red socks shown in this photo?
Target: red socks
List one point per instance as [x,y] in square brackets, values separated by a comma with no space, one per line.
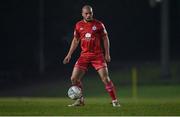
[111,90]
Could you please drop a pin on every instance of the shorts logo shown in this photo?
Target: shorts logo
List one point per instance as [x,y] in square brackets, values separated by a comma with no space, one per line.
[94,28]
[88,36]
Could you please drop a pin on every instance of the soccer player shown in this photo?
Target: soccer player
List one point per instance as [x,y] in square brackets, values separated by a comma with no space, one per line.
[90,32]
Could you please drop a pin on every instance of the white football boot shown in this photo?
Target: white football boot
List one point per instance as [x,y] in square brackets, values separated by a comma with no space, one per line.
[115,103]
[78,102]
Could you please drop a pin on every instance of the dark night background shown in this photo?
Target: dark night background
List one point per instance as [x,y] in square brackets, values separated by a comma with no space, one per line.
[134,28]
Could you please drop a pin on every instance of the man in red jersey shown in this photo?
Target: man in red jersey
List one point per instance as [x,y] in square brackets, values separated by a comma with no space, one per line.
[90,32]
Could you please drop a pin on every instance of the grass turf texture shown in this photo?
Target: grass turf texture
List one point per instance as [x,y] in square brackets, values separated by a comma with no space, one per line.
[94,106]
[151,100]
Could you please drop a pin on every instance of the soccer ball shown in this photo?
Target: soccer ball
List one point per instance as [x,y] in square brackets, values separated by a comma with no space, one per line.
[74,92]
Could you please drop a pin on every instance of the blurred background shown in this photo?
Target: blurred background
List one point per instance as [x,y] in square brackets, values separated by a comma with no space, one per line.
[36,35]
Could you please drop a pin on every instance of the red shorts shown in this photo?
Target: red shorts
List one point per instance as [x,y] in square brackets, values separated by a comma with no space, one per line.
[97,61]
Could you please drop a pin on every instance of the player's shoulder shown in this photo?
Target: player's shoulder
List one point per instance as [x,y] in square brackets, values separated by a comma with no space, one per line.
[79,22]
[98,21]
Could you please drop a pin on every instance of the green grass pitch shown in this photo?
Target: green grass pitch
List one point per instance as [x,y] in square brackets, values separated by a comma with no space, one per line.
[94,106]
[151,100]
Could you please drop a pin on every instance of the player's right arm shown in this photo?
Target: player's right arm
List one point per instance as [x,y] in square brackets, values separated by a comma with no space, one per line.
[74,45]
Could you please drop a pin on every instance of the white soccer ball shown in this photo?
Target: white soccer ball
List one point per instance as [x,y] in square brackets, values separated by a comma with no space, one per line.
[74,92]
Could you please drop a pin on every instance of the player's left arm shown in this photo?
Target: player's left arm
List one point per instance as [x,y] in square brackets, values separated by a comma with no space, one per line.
[106,44]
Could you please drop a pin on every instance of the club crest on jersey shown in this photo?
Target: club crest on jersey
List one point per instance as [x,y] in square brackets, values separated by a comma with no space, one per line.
[88,36]
[94,28]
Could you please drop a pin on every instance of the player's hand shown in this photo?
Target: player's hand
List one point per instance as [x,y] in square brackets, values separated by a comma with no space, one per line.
[67,59]
[107,58]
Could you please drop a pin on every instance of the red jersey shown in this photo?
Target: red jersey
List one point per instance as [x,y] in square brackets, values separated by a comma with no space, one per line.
[90,35]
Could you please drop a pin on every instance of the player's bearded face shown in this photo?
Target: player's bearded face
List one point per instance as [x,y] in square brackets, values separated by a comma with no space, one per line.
[87,14]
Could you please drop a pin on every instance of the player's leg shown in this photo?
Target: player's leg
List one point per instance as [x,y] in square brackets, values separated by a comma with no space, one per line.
[77,74]
[109,86]
[100,65]
[79,70]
